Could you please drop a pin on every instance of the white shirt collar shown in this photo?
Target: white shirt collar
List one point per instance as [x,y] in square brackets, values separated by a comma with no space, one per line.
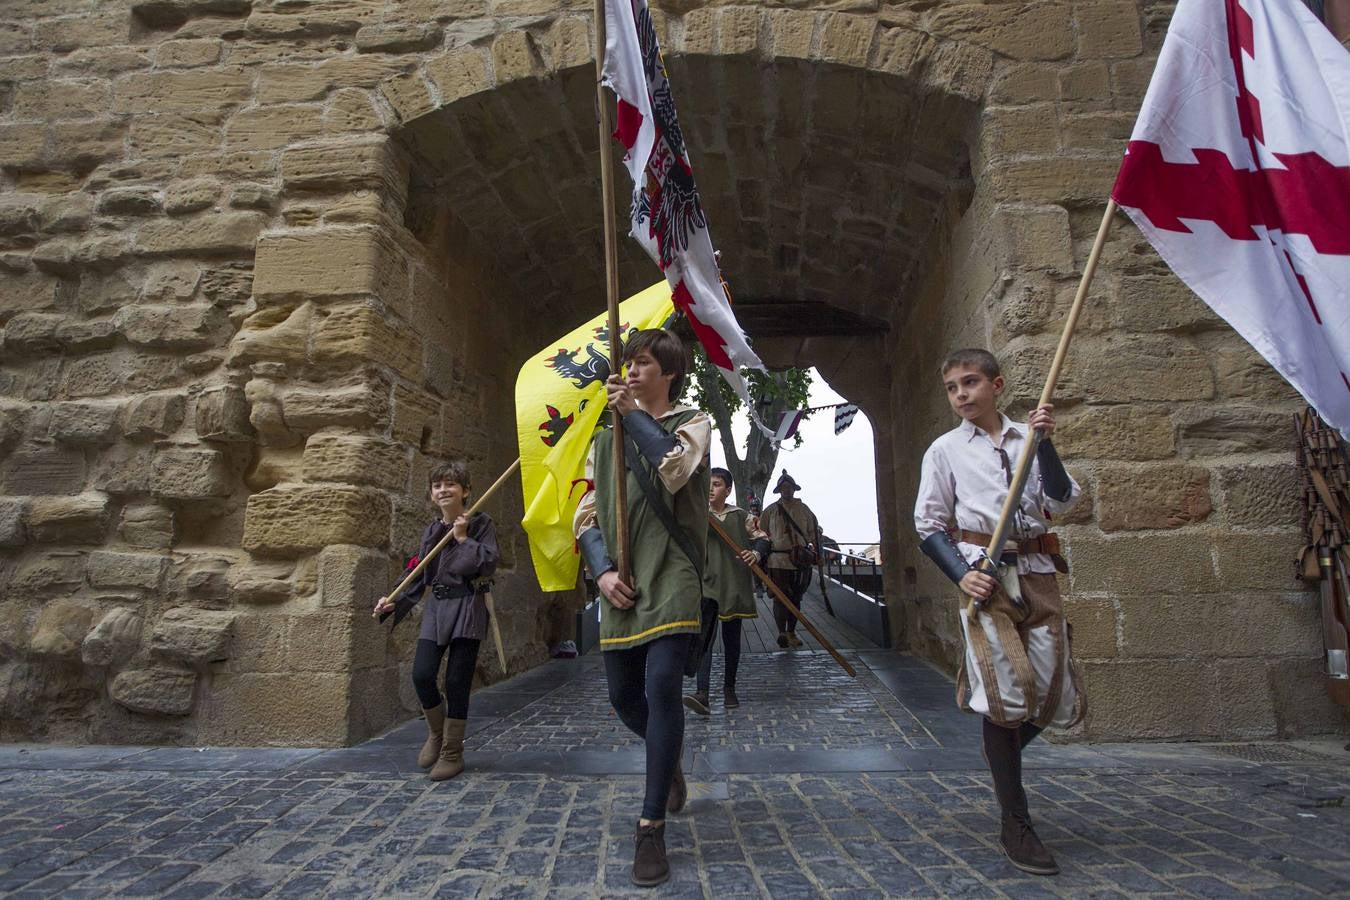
[1006,424]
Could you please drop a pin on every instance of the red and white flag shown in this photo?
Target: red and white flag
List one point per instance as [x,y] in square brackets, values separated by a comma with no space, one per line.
[1238,173]
[667,216]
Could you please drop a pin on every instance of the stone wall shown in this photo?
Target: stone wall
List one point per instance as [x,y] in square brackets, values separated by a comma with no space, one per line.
[266,261]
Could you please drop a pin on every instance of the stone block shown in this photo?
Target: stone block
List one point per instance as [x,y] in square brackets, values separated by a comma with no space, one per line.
[213,233]
[190,474]
[1222,430]
[183,197]
[32,333]
[1258,562]
[122,469]
[114,640]
[1042,31]
[81,519]
[57,99]
[67,212]
[189,91]
[515,56]
[1115,432]
[252,196]
[1094,627]
[21,144]
[15,630]
[1085,85]
[1034,237]
[1299,695]
[351,111]
[276,708]
[288,521]
[361,334]
[130,201]
[1012,130]
[409,95]
[273,127]
[100,292]
[222,415]
[61,627]
[1016,84]
[262,591]
[357,406]
[12,511]
[1108,29]
[193,636]
[83,336]
[30,292]
[791,32]
[292,83]
[83,145]
[188,54]
[85,421]
[153,415]
[1250,711]
[398,37]
[418,420]
[1160,303]
[204,579]
[1069,181]
[1252,625]
[47,573]
[356,459]
[330,262]
[108,569]
[1242,374]
[1154,496]
[313,18]
[1154,564]
[147,526]
[1132,368]
[158,691]
[1124,700]
[1262,496]
[100,28]
[352,577]
[37,469]
[568,44]
[459,73]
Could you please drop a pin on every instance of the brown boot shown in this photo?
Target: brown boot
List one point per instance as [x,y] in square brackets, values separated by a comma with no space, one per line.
[650,866]
[697,702]
[1024,848]
[679,790]
[435,717]
[451,761]
[729,698]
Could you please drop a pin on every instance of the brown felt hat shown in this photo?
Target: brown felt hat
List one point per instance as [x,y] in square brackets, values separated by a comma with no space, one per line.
[785,481]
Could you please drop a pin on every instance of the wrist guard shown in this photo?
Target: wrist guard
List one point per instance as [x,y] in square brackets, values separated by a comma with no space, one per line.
[939,548]
[594,553]
[1054,478]
[652,441]
[761,546]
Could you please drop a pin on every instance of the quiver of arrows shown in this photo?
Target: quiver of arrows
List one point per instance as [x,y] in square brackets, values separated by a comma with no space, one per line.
[1325,559]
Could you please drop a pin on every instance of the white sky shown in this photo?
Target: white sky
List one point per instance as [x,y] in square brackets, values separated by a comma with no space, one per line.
[837,475]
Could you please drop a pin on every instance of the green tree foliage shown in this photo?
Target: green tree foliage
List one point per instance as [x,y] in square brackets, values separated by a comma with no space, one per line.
[773,393]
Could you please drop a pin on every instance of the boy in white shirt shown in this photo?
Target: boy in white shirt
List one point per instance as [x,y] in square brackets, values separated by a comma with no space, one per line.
[1017,657]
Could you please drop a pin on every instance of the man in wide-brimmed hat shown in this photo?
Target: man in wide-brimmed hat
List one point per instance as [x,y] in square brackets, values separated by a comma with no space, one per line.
[794,534]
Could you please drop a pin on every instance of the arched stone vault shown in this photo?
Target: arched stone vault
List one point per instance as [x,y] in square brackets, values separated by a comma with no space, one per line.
[268,260]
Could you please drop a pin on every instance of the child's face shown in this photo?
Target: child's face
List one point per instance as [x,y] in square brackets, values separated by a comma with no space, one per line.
[646,380]
[447,493]
[717,495]
[971,393]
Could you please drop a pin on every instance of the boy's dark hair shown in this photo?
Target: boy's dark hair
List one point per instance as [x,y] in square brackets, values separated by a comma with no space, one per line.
[668,351]
[975,357]
[456,470]
[725,475]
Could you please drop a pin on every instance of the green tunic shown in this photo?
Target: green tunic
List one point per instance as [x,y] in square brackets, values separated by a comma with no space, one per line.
[669,595]
[726,578]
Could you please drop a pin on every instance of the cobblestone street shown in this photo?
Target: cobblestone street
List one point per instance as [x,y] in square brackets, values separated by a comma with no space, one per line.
[818,786]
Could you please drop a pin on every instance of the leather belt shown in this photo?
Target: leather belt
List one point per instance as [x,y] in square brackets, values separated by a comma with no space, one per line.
[446,592]
[1047,543]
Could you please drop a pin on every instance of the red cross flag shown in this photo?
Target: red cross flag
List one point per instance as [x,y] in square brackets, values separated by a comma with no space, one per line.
[1238,173]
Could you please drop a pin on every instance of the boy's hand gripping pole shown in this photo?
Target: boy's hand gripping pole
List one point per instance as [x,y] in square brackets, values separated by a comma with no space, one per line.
[781,597]
[1019,480]
[440,545]
[623,552]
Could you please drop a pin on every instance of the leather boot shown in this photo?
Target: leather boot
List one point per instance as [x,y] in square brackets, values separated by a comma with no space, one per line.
[793,641]
[1023,848]
[451,761]
[679,789]
[729,698]
[783,639]
[435,717]
[650,866]
[697,702]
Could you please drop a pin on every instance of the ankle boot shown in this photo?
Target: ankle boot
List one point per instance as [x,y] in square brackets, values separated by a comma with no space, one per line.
[679,789]
[697,702]
[1023,848]
[650,866]
[451,761]
[729,698]
[793,641]
[435,717]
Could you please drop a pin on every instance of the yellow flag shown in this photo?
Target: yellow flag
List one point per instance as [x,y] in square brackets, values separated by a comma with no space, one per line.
[560,396]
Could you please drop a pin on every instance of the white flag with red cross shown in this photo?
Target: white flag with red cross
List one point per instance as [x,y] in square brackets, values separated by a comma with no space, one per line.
[1238,173]
[667,215]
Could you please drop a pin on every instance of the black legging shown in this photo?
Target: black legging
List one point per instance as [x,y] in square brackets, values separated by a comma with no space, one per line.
[793,583]
[644,689]
[463,657]
[731,646]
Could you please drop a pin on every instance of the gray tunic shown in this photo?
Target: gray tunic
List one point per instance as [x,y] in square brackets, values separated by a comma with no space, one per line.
[461,565]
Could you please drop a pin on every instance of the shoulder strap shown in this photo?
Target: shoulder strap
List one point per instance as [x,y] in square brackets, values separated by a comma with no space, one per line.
[795,527]
[658,505]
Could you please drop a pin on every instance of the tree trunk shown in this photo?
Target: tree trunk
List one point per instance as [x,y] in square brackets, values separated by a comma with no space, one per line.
[751,473]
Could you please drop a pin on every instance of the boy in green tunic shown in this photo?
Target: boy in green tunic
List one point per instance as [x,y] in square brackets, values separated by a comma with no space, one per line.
[649,627]
[727,582]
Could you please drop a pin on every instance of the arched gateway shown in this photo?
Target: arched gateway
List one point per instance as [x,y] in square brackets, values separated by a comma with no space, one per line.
[264,261]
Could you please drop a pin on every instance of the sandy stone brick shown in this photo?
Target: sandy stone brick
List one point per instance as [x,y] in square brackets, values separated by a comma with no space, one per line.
[1054,180]
[114,639]
[351,111]
[1142,564]
[81,519]
[290,83]
[1242,374]
[357,406]
[173,327]
[190,475]
[166,692]
[193,636]
[373,164]
[187,54]
[65,33]
[351,576]
[130,201]
[183,92]
[222,415]
[1115,432]
[312,19]
[32,332]
[45,574]
[153,415]
[176,134]
[361,334]
[417,419]
[61,627]
[1130,368]
[1124,696]
[288,521]
[38,469]
[84,145]
[1028,32]
[47,100]
[12,511]
[330,262]
[568,43]
[356,460]
[144,571]
[123,469]
[515,56]
[1257,496]
[1102,132]
[1108,28]
[147,526]
[459,73]
[1094,627]
[256,708]
[1016,84]
[270,127]
[1156,496]
[398,37]
[738,32]
[1253,624]
[409,95]
[226,232]
[1034,237]
[1085,83]
[1258,562]
[1221,430]
[183,197]
[21,144]
[85,422]
[103,61]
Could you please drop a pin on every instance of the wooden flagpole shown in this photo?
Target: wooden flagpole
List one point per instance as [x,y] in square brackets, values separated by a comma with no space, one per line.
[624,550]
[781,597]
[440,545]
[1019,479]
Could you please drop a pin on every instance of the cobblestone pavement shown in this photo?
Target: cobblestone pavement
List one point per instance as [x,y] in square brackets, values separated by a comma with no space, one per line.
[883,805]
